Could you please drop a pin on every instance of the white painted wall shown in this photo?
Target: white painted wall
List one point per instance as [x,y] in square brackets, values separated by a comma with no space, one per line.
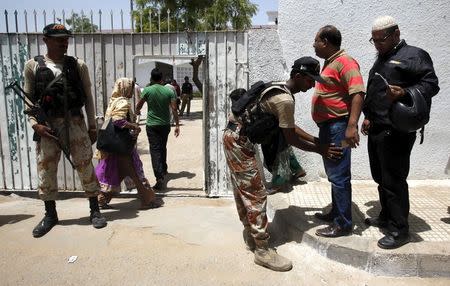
[422,23]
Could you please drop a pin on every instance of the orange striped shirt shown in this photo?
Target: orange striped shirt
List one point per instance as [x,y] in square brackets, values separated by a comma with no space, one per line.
[343,79]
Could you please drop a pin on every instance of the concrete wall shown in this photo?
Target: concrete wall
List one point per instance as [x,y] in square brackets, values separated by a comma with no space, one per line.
[422,23]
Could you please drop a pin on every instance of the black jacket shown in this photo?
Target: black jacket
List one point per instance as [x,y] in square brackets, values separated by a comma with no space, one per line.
[405,66]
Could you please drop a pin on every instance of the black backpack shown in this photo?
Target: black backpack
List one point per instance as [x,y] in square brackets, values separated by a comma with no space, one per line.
[257,125]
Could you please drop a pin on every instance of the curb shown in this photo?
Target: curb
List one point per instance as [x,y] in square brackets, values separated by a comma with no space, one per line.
[416,259]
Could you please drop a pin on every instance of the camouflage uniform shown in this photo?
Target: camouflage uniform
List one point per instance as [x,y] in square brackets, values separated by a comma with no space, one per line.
[49,154]
[248,188]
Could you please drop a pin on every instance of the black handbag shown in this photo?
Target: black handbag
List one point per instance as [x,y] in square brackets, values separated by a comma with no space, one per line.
[113,139]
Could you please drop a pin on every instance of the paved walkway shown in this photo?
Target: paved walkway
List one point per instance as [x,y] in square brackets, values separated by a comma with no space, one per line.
[427,255]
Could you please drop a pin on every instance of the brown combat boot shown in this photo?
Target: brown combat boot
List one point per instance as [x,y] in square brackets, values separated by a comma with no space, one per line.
[269,258]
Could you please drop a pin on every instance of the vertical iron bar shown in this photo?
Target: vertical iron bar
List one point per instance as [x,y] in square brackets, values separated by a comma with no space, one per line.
[6,21]
[83,39]
[35,30]
[132,18]
[113,42]
[26,21]
[150,18]
[123,45]
[103,63]
[15,21]
[168,20]
[159,31]
[142,32]
[94,72]
[82,19]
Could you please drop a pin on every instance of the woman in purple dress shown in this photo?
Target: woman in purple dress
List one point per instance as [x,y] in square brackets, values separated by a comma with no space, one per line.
[113,168]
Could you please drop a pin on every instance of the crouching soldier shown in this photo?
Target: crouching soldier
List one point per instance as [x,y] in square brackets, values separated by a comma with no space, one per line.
[266,110]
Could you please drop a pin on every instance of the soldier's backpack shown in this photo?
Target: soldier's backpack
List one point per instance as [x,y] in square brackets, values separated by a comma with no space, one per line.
[257,125]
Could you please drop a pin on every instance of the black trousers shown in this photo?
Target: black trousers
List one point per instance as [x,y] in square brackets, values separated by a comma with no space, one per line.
[157,139]
[389,155]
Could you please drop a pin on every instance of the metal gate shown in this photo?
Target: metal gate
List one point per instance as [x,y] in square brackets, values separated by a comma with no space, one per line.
[109,56]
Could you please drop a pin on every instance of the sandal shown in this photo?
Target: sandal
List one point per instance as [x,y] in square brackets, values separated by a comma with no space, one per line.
[156,203]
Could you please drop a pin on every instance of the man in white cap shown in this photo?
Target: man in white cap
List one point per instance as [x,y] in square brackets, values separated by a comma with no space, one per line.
[398,69]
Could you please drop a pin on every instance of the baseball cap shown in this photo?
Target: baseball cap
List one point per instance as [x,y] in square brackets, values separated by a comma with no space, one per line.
[309,66]
[56,30]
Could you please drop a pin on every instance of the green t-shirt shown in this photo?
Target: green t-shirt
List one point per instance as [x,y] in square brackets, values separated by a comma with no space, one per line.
[158,98]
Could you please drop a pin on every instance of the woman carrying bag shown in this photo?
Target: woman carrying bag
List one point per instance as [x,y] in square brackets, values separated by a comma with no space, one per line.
[120,159]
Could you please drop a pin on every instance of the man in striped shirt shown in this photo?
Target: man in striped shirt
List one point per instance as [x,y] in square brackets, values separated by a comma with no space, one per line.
[336,107]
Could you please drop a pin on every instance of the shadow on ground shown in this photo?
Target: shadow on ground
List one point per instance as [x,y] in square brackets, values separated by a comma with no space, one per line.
[300,222]
[11,219]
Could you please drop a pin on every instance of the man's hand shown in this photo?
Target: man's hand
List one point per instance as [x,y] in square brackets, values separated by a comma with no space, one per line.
[331,152]
[92,132]
[365,126]
[394,92]
[352,136]
[44,131]
[177,131]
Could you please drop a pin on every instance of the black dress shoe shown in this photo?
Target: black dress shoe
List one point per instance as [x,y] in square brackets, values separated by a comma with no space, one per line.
[391,242]
[45,225]
[375,221]
[333,231]
[328,217]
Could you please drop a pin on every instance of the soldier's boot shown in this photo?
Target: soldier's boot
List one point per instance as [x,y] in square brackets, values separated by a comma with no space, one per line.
[269,258]
[248,239]
[48,222]
[96,218]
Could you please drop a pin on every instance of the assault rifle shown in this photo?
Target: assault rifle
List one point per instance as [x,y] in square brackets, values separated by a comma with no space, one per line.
[34,109]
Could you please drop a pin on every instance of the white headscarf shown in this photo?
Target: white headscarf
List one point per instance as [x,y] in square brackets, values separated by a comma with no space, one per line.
[119,104]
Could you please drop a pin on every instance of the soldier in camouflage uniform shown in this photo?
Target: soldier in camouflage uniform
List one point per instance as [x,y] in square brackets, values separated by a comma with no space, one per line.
[61,85]
[248,188]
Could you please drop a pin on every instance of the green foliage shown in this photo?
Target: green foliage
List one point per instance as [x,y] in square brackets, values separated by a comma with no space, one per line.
[81,24]
[194,14]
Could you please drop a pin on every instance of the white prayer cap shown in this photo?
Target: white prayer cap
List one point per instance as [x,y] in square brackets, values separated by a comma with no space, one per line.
[383,22]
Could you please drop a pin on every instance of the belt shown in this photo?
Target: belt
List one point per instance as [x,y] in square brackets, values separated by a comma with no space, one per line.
[333,120]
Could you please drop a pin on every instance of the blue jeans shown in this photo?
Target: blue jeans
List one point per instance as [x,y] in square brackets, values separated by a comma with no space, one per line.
[338,172]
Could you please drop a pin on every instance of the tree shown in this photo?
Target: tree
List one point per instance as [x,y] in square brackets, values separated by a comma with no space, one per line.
[194,14]
[81,24]
[195,63]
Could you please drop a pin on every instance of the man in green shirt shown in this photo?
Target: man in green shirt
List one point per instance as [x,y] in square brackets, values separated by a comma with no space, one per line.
[159,99]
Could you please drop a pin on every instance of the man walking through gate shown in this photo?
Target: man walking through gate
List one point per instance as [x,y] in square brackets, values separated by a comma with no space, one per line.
[159,99]
[276,102]
[61,85]
[398,69]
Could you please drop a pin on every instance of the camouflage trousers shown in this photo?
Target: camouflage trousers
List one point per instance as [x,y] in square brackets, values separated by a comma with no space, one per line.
[248,188]
[49,154]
